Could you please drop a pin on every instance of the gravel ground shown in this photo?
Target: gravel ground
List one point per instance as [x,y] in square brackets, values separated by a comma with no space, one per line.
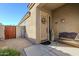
[18,44]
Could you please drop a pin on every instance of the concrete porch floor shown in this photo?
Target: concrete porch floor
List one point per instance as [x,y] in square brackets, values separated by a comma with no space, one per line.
[18,44]
[73,51]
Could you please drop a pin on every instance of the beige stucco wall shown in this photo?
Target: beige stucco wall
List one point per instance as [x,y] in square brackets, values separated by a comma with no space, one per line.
[2,36]
[20,32]
[30,23]
[34,28]
[38,22]
[70,14]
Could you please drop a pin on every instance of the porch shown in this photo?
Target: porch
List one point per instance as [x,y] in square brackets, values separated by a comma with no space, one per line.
[57,18]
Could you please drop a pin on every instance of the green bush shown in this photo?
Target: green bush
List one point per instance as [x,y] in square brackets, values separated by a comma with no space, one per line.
[9,52]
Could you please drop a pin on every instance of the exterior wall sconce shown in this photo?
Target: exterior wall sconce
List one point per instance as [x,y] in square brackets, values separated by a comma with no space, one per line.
[56,22]
[43,20]
[62,20]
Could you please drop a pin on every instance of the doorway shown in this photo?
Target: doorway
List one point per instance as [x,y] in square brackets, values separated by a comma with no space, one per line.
[50,31]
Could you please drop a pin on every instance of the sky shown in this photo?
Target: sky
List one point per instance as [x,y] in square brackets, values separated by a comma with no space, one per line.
[12,13]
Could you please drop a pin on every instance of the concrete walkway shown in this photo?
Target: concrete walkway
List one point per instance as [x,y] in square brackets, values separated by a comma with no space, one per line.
[54,49]
[18,44]
[42,50]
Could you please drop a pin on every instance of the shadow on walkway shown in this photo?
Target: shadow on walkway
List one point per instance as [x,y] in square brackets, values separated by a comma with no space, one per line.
[42,50]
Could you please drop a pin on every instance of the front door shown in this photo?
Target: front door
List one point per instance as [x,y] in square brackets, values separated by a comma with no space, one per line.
[10,32]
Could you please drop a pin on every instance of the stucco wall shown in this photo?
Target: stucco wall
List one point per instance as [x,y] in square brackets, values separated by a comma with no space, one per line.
[30,23]
[20,31]
[34,28]
[70,14]
[38,22]
[2,28]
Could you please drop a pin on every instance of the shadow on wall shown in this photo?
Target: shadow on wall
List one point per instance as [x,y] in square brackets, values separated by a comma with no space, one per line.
[28,38]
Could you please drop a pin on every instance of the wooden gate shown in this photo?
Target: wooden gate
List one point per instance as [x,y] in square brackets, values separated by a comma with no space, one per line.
[10,32]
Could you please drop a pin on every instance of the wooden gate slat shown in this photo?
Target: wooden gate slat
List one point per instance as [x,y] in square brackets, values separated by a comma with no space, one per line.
[10,32]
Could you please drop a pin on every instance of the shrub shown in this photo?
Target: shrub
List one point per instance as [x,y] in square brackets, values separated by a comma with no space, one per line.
[9,52]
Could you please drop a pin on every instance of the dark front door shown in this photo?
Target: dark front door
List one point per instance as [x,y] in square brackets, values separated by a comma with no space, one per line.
[10,32]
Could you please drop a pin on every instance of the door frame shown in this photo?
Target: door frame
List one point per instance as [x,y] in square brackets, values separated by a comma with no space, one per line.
[49,29]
